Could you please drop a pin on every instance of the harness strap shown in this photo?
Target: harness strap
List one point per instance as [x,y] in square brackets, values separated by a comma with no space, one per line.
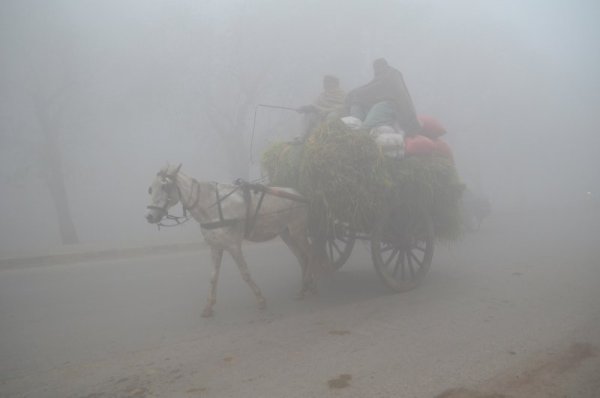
[222,222]
[189,207]
[197,194]
[246,187]
[219,224]
[183,206]
[219,202]
[251,221]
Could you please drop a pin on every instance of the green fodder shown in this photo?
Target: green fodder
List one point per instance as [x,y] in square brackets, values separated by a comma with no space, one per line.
[430,183]
[345,176]
[341,172]
[281,162]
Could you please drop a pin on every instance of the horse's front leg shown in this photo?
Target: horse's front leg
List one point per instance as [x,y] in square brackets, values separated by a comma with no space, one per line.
[217,257]
[238,257]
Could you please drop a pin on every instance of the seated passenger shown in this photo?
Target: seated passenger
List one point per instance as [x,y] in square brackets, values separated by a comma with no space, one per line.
[384,100]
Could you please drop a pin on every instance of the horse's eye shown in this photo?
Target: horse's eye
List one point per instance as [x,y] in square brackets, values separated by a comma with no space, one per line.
[150,190]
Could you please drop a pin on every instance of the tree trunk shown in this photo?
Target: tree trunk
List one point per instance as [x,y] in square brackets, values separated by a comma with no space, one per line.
[68,234]
[52,161]
[56,184]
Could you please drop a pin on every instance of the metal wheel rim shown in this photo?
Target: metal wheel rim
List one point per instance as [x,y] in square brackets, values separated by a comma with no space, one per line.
[402,265]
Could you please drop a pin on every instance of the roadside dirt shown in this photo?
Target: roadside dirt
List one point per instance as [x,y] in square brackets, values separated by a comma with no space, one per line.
[573,371]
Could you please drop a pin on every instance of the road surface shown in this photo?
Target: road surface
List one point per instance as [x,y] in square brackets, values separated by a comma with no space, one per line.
[512,311]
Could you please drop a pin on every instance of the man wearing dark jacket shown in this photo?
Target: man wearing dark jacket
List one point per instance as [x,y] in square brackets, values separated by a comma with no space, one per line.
[384,100]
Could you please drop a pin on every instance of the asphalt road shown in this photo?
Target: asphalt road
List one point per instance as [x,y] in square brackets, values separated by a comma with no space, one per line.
[512,310]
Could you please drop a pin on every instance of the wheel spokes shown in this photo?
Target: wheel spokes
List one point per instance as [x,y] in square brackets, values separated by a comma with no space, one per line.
[404,260]
[340,242]
[399,262]
[386,248]
[414,256]
[330,251]
[391,257]
[402,248]
[419,248]
[410,264]
[336,247]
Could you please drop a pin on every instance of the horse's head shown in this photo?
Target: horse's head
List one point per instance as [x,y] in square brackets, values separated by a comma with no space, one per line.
[163,194]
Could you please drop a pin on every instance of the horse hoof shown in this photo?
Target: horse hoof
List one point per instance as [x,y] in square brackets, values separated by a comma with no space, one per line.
[207,313]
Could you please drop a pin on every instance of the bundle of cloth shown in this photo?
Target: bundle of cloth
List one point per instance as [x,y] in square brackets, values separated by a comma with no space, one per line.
[424,141]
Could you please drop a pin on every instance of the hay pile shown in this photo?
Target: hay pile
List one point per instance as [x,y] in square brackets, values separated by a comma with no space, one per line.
[344,174]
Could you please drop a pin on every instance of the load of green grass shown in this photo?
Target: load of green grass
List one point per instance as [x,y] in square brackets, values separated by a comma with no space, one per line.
[346,177]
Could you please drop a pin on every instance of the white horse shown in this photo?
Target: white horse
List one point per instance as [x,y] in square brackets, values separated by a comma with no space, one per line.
[228,214]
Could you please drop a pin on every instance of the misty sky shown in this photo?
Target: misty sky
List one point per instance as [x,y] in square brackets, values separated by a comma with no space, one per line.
[138,82]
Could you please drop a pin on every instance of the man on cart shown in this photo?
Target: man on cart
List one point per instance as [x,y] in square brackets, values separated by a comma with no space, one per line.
[385,100]
[328,105]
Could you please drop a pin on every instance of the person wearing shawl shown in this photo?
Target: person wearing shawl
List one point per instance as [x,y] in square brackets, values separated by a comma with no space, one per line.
[385,100]
[327,106]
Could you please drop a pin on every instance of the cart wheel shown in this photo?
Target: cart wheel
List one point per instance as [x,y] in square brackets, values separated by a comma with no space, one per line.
[402,249]
[340,244]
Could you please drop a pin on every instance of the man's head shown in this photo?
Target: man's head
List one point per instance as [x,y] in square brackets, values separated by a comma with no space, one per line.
[330,82]
[380,65]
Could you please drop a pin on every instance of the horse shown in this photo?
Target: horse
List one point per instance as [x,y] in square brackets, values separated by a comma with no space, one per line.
[228,214]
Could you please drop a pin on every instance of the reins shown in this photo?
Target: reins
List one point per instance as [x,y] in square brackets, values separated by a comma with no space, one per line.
[168,216]
[177,220]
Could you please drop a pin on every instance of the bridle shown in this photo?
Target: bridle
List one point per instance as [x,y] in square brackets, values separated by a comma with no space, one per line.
[164,210]
[222,222]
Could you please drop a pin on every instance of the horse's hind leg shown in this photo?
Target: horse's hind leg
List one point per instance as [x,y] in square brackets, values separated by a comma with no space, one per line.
[303,259]
[238,257]
[217,256]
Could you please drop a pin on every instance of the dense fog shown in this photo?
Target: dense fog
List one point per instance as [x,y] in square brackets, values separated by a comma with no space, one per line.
[108,92]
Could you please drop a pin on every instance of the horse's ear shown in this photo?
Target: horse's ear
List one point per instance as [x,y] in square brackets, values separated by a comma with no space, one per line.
[177,169]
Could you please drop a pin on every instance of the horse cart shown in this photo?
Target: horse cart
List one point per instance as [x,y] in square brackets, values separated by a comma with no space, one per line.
[334,189]
[400,207]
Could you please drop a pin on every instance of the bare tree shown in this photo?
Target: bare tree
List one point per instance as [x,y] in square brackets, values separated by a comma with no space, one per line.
[48,111]
[40,81]
[236,74]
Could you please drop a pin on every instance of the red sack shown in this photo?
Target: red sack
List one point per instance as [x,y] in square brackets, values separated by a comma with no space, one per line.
[418,145]
[443,149]
[430,127]
[421,145]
